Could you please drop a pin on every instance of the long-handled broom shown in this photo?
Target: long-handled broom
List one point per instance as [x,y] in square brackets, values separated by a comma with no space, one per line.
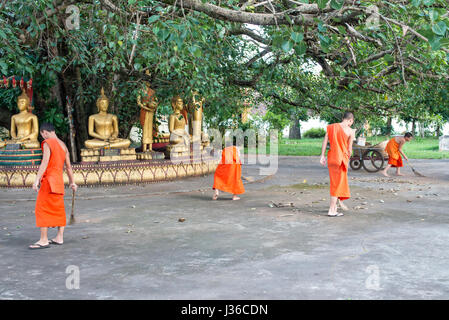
[414,170]
[72,216]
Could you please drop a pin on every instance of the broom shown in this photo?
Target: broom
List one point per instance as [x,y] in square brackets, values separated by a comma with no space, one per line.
[72,216]
[414,171]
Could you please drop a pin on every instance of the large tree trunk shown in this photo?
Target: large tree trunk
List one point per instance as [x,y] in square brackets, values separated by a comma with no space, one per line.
[421,129]
[80,113]
[295,129]
[413,127]
[438,130]
[5,118]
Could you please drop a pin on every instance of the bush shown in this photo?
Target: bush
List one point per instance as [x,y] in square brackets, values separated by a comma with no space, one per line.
[315,133]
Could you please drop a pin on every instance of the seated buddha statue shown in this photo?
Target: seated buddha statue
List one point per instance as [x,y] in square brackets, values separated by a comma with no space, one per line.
[179,137]
[24,125]
[103,127]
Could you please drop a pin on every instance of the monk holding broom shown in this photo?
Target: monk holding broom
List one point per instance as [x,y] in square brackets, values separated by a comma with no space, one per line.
[394,150]
[228,175]
[49,210]
[340,137]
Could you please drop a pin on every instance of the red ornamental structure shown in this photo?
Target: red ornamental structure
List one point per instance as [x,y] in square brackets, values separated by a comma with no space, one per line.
[27,85]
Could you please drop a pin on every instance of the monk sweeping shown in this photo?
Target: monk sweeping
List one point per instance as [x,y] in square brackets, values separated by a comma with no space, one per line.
[228,174]
[394,150]
[49,210]
[340,137]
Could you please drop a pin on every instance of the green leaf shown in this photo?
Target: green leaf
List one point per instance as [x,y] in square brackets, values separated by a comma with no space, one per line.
[337,4]
[428,2]
[439,28]
[301,48]
[433,15]
[435,43]
[342,29]
[196,51]
[444,42]
[297,37]
[153,19]
[416,3]
[289,20]
[4,67]
[389,58]
[287,46]
[322,3]
[321,27]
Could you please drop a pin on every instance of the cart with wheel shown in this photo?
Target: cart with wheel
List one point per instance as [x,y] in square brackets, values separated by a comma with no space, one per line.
[371,157]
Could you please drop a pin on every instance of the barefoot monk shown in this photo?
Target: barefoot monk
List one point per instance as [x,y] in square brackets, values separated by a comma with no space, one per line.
[340,137]
[228,175]
[49,210]
[394,150]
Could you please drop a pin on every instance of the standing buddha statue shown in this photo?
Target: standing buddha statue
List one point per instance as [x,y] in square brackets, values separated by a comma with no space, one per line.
[148,104]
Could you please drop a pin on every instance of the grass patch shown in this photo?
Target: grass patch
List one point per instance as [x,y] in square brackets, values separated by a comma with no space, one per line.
[418,148]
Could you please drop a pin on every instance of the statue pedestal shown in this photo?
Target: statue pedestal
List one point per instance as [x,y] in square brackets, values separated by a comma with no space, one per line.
[169,154]
[150,155]
[107,155]
[12,155]
[444,143]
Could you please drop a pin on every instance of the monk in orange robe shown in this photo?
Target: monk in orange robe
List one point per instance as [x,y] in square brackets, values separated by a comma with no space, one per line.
[340,137]
[228,175]
[49,210]
[394,150]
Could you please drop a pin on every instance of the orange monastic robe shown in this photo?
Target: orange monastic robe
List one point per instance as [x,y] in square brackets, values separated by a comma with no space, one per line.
[337,161]
[228,174]
[394,156]
[50,211]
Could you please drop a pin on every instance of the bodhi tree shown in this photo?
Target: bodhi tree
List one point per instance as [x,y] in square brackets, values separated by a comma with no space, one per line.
[319,57]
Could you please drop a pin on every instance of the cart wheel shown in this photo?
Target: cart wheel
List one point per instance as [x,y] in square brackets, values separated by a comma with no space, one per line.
[373,160]
[355,164]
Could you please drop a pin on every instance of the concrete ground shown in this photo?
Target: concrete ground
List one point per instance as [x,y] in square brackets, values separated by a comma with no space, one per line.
[128,243]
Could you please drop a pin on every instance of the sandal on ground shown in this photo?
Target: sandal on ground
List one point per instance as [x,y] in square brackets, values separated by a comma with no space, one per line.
[54,242]
[38,246]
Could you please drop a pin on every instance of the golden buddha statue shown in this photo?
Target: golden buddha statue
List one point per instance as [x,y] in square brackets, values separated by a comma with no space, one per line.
[148,105]
[179,138]
[196,125]
[103,127]
[24,125]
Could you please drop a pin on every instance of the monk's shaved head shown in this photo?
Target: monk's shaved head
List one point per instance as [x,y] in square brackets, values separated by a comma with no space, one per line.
[348,116]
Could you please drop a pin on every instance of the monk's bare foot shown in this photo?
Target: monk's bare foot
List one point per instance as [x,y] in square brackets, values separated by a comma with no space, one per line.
[343,206]
[399,174]
[385,173]
[215,197]
[235,198]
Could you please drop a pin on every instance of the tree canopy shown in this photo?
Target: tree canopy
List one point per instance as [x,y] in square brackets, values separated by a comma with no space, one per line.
[374,57]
